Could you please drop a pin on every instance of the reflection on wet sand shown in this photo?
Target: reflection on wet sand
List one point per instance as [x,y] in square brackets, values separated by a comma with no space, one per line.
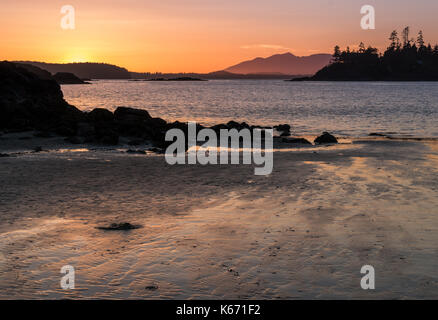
[219,231]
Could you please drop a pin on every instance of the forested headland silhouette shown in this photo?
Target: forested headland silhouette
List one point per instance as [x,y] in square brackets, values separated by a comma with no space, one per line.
[405,59]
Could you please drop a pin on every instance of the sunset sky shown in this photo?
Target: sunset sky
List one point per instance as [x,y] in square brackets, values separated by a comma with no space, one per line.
[198,35]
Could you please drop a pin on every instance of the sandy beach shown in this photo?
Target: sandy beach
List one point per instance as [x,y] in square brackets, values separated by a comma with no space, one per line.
[218,159]
[220,232]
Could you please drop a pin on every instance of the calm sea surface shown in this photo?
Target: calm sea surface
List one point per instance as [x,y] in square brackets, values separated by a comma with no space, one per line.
[344,108]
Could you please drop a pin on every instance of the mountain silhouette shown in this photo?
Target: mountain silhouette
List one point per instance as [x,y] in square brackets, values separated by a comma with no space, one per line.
[85,70]
[286,63]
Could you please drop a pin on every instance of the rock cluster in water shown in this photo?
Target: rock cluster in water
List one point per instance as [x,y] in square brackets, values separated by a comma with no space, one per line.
[31,99]
[325,138]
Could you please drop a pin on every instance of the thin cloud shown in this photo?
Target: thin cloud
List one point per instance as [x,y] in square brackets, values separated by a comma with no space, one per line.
[265,46]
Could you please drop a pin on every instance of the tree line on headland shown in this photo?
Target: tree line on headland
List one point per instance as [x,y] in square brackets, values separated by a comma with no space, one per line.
[405,59]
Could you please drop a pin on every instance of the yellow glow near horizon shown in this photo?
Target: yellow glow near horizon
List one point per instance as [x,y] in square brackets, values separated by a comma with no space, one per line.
[198,35]
[77,57]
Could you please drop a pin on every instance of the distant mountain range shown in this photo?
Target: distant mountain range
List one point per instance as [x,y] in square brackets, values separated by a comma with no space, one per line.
[279,66]
[286,63]
[86,70]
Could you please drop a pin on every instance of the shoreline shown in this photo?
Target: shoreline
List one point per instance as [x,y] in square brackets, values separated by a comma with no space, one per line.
[87,190]
[220,232]
[26,142]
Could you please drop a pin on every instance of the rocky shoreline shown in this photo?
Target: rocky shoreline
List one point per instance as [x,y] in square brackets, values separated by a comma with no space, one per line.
[32,100]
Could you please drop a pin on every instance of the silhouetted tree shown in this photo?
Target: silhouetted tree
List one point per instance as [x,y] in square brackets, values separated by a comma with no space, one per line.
[406,41]
[337,53]
[420,39]
[412,61]
[395,41]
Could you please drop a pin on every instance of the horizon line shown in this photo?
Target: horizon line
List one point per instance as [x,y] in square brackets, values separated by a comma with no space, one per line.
[173,72]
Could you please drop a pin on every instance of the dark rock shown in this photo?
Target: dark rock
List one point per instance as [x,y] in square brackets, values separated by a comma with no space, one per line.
[300,79]
[374,134]
[100,115]
[325,138]
[67,78]
[73,140]
[66,129]
[219,127]
[85,129]
[33,100]
[285,134]
[237,126]
[120,226]
[108,137]
[135,122]
[156,150]
[106,133]
[152,288]
[245,125]
[282,127]
[43,134]
[37,149]
[233,125]
[126,113]
[136,151]
[135,142]
[177,125]
[156,123]
[296,141]
[4,155]
[101,127]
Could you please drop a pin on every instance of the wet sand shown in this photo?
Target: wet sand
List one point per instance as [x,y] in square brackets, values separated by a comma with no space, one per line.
[210,232]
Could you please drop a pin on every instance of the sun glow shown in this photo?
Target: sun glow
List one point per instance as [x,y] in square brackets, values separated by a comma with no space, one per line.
[77,57]
[197,36]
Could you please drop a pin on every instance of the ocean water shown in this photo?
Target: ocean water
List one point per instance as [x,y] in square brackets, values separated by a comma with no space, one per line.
[351,109]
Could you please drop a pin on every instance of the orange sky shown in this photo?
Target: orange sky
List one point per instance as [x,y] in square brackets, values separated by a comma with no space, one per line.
[198,35]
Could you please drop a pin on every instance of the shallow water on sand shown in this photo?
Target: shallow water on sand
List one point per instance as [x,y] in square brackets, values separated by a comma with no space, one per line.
[344,108]
[219,231]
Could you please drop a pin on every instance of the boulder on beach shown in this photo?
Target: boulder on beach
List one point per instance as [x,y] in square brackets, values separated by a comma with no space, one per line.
[120,226]
[133,122]
[105,130]
[131,114]
[325,138]
[156,123]
[100,115]
[296,141]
